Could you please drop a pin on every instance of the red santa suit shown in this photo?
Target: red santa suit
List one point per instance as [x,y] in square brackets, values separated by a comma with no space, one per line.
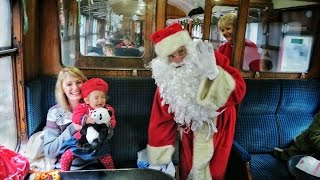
[203,155]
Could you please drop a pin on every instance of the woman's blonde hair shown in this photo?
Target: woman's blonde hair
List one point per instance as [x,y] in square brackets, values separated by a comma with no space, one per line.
[61,98]
[227,20]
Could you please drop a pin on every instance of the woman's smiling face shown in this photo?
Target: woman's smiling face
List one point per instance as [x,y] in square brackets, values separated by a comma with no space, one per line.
[71,88]
[227,32]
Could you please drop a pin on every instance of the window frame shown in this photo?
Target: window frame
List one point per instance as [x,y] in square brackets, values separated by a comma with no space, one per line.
[16,54]
[243,12]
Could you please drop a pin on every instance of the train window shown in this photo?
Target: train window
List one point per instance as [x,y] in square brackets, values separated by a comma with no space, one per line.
[8,126]
[193,24]
[276,40]
[106,34]
[284,39]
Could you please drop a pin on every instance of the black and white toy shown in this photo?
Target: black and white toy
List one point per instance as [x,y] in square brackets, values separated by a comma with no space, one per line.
[93,135]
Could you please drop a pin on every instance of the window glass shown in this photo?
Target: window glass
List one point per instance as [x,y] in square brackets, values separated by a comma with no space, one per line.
[193,24]
[8,127]
[5,24]
[111,23]
[90,28]
[82,33]
[276,40]
[283,38]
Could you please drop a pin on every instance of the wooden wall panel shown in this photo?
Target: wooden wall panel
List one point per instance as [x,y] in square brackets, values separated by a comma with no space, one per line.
[18,71]
[174,12]
[50,41]
[161,14]
[31,41]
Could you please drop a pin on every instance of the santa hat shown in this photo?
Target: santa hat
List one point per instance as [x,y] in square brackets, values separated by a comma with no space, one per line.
[169,39]
[93,84]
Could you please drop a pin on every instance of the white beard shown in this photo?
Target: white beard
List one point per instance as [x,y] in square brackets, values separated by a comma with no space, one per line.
[178,87]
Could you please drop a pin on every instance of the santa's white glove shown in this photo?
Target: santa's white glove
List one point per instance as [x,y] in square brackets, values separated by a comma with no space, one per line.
[207,61]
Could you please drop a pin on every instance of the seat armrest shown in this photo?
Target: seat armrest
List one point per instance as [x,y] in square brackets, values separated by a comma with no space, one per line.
[239,152]
[239,163]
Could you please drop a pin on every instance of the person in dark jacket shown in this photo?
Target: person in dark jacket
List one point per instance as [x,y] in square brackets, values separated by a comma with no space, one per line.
[307,143]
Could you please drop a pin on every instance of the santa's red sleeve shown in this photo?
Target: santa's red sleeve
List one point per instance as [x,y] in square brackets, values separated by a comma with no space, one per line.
[113,116]
[162,133]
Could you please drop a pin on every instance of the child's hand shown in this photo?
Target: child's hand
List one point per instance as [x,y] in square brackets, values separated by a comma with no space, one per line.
[90,120]
[77,126]
[109,125]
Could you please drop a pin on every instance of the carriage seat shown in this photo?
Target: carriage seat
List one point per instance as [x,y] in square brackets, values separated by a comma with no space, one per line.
[131,98]
[271,114]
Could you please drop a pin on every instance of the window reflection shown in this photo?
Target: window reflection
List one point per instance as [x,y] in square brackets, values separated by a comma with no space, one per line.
[276,40]
[107,22]
[284,39]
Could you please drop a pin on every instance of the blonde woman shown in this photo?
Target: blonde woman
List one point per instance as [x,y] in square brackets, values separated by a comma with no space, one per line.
[126,42]
[251,57]
[59,126]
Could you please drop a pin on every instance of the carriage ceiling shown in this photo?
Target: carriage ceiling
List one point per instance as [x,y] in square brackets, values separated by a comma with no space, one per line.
[187,5]
[127,8]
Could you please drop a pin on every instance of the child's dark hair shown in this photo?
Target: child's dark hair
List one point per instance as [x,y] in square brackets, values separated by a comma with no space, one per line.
[109,46]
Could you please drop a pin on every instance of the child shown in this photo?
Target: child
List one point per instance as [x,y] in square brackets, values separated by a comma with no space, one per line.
[126,42]
[108,50]
[94,95]
[307,143]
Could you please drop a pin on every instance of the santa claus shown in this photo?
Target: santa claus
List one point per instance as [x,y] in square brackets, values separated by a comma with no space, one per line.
[197,91]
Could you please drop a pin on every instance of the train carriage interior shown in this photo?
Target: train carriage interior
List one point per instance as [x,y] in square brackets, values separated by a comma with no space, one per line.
[39,38]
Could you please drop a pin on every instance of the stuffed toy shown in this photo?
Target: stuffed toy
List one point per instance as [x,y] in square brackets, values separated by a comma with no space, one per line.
[93,135]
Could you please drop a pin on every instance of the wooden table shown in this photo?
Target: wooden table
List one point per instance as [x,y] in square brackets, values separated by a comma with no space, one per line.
[117,174]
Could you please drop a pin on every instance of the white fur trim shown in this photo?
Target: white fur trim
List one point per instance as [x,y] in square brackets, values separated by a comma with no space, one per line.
[215,93]
[202,153]
[92,134]
[160,155]
[171,43]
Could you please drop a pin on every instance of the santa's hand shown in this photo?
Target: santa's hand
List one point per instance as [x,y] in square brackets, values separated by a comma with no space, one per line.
[207,61]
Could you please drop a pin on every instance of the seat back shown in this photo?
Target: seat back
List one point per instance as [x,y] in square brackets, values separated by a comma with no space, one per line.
[131,98]
[273,112]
